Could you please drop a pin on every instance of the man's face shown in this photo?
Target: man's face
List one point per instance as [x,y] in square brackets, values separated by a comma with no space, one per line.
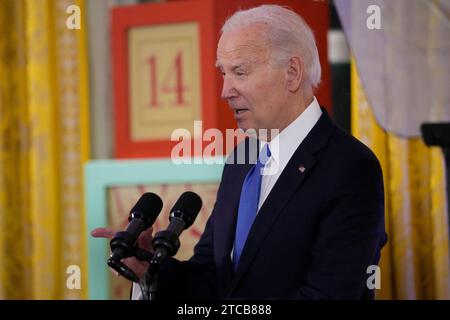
[254,87]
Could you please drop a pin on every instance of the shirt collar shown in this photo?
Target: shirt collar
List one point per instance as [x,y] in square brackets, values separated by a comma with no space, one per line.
[283,146]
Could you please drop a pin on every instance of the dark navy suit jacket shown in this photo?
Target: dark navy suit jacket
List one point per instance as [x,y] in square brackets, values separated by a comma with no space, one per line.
[314,237]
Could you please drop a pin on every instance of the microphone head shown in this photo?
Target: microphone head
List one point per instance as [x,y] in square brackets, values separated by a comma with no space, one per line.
[147,208]
[187,208]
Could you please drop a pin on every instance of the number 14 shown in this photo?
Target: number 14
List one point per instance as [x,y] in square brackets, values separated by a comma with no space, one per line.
[178,88]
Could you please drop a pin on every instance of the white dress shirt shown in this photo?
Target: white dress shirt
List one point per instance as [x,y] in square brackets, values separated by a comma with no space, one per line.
[283,146]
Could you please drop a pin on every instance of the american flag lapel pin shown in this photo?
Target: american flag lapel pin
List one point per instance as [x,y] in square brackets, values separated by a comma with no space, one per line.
[302,169]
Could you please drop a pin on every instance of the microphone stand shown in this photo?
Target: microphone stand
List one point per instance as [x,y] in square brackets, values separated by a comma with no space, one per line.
[148,285]
[152,289]
[166,243]
[150,277]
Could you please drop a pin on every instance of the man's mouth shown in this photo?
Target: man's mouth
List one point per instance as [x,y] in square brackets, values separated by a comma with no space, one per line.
[239,111]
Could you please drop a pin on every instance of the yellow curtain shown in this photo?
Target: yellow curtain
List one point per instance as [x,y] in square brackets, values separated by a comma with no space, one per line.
[43,144]
[415,262]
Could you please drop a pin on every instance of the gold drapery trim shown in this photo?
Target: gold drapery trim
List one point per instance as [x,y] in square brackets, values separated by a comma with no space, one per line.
[415,262]
[43,145]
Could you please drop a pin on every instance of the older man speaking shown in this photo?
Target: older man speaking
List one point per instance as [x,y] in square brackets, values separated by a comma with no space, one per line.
[313,228]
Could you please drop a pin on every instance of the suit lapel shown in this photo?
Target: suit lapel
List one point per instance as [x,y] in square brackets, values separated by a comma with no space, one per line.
[299,166]
[225,224]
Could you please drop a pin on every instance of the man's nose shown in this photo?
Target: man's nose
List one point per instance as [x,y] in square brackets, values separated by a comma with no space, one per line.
[228,89]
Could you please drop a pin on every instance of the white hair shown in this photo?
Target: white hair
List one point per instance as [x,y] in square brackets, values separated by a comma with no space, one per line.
[288,33]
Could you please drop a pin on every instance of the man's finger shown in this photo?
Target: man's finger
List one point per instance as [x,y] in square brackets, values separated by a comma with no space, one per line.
[103,233]
[114,272]
[138,267]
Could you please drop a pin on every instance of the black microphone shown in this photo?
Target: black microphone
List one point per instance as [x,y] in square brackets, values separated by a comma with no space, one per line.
[182,216]
[123,244]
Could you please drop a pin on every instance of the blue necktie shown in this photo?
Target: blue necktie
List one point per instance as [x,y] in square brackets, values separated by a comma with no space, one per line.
[248,204]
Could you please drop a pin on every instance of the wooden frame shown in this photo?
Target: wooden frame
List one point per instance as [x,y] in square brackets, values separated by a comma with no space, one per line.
[126,18]
[101,175]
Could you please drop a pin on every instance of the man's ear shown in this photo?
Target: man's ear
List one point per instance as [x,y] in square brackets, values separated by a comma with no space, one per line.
[294,73]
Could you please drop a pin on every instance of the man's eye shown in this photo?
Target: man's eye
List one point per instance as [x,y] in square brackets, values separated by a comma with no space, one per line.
[240,73]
